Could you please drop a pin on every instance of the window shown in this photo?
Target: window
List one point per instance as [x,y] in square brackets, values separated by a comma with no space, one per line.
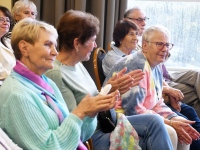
[183,21]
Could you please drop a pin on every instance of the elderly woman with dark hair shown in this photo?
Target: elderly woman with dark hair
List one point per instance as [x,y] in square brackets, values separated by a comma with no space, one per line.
[7,58]
[77,34]
[125,41]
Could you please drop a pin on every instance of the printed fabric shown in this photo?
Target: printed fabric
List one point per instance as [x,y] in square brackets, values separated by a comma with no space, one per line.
[124,136]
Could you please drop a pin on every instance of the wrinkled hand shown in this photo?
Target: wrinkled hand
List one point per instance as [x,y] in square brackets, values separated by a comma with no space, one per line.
[175,104]
[90,106]
[177,94]
[185,132]
[123,82]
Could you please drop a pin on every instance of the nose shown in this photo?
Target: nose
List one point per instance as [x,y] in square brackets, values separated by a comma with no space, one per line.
[95,44]
[54,51]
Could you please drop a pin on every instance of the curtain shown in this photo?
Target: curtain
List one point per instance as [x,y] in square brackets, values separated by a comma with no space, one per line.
[108,12]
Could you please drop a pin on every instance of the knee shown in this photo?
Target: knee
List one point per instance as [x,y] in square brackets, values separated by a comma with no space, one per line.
[157,119]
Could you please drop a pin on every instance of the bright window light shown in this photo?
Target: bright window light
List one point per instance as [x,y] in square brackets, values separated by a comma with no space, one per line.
[183,21]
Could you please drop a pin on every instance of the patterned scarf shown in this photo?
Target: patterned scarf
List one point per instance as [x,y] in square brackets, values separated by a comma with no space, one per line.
[50,98]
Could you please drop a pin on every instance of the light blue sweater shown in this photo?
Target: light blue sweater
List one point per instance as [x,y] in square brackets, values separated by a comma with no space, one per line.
[74,82]
[31,124]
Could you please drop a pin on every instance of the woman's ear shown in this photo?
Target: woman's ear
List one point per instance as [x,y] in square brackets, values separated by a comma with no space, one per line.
[76,44]
[23,47]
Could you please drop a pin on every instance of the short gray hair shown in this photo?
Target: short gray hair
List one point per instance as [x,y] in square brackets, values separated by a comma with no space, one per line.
[29,30]
[131,10]
[147,35]
[21,4]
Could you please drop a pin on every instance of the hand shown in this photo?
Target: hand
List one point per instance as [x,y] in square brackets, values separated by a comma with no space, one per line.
[90,106]
[175,104]
[123,82]
[185,132]
[172,92]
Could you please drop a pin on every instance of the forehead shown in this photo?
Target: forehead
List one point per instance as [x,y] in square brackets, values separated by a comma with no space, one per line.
[158,36]
[28,9]
[45,36]
[137,14]
[2,14]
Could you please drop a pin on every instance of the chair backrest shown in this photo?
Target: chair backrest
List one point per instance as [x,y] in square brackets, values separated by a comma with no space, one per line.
[99,54]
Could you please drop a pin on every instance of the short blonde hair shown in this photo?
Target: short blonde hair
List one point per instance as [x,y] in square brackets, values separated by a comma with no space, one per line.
[29,30]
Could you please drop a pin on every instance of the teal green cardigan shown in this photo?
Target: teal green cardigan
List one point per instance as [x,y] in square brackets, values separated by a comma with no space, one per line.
[31,124]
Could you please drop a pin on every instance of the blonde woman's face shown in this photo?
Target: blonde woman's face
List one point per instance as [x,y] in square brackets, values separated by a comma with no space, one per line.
[25,13]
[40,56]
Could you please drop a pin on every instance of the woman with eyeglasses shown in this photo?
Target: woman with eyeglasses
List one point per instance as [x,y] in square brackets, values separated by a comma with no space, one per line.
[23,9]
[146,98]
[7,58]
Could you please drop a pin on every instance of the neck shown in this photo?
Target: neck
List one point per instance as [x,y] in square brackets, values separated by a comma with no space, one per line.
[67,58]
[125,50]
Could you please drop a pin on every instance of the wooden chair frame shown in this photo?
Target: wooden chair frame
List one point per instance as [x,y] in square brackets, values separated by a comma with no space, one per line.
[97,53]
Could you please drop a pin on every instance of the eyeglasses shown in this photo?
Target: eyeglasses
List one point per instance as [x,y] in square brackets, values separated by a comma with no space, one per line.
[139,20]
[160,45]
[4,19]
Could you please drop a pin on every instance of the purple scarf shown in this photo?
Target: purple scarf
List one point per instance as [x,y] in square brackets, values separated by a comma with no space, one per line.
[51,100]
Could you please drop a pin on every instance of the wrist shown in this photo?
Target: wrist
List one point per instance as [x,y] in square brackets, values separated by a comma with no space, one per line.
[78,113]
[171,123]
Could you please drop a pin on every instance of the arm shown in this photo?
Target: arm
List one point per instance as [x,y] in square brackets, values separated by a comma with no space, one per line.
[7,59]
[38,125]
[175,96]
[186,133]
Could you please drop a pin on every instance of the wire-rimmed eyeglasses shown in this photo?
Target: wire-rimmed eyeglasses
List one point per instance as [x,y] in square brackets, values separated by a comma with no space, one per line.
[160,45]
[139,20]
[2,19]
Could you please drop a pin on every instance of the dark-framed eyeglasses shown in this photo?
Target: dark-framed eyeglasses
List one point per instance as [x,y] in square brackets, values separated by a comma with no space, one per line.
[2,19]
[160,45]
[139,20]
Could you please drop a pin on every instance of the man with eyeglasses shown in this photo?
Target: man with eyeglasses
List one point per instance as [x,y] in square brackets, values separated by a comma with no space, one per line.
[174,84]
[137,16]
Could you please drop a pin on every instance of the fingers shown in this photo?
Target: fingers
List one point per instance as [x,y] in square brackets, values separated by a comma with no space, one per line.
[135,72]
[192,132]
[122,72]
[185,138]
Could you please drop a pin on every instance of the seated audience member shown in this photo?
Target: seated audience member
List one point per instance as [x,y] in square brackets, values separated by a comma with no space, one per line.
[75,82]
[125,41]
[147,97]
[188,82]
[138,17]
[33,112]
[7,58]
[24,9]
[174,98]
